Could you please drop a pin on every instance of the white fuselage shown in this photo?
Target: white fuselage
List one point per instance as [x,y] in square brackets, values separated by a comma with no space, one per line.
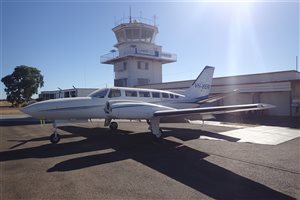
[93,106]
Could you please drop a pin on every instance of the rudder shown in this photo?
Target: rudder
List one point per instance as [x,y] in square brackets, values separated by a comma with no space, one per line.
[201,86]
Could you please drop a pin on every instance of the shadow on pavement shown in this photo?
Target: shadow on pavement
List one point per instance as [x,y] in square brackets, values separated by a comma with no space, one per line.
[181,163]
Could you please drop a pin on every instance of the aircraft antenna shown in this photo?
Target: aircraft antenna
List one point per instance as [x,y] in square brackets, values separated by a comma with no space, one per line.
[296,63]
[130,14]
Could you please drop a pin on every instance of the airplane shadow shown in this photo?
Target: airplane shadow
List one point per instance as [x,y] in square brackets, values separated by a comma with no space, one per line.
[186,134]
[181,163]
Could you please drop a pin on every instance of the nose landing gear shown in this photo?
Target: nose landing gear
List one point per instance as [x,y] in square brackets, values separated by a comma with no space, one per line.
[54,137]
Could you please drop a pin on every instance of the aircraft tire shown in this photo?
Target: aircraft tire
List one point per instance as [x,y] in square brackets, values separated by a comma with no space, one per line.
[54,138]
[160,137]
[113,126]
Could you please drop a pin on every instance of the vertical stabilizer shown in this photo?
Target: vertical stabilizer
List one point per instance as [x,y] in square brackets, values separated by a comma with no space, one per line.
[201,87]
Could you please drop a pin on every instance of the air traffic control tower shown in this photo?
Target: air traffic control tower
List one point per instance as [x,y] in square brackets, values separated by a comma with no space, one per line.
[138,60]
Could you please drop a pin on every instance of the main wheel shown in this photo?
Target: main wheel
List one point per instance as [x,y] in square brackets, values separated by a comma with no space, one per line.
[113,126]
[155,136]
[54,138]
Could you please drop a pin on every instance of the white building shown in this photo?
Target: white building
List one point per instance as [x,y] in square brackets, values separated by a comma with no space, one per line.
[74,92]
[138,59]
[281,89]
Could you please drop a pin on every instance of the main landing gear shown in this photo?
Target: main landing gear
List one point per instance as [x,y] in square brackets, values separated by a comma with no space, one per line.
[112,125]
[54,137]
[155,129]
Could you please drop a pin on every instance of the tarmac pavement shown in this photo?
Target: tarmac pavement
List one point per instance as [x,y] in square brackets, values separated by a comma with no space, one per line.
[191,162]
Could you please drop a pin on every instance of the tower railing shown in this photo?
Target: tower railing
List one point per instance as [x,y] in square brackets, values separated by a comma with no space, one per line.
[135,20]
[114,54]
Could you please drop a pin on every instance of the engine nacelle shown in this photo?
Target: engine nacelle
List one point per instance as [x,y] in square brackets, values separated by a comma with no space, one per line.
[131,109]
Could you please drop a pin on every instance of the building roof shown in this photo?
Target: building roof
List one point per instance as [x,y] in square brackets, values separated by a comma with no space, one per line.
[281,76]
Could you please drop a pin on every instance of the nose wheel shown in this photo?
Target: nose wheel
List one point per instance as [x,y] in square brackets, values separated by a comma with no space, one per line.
[113,126]
[54,138]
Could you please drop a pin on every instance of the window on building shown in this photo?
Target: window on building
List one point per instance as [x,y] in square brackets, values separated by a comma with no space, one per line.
[131,93]
[120,36]
[124,66]
[155,94]
[146,35]
[114,93]
[146,65]
[143,81]
[132,34]
[51,96]
[143,65]
[144,94]
[120,82]
[73,93]
[66,94]
[165,95]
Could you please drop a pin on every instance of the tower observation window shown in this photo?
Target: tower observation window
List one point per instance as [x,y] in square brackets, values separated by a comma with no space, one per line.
[146,35]
[132,34]
[120,36]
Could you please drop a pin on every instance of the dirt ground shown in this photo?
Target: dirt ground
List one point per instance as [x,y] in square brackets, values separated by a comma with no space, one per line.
[7,109]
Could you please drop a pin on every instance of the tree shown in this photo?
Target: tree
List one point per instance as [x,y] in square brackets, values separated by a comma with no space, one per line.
[22,84]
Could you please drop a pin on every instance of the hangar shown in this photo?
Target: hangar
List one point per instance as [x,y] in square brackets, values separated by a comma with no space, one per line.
[278,88]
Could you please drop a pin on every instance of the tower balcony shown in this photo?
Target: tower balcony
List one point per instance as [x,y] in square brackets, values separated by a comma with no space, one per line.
[116,56]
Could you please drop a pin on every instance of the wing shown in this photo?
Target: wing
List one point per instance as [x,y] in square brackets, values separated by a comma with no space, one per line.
[212,110]
[144,110]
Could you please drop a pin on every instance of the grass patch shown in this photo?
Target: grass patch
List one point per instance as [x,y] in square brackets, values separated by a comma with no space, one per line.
[7,109]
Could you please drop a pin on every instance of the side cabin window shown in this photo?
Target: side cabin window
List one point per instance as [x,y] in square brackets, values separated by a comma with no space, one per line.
[99,94]
[155,94]
[165,95]
[144,94]
[114,93]
[176,96]
[130,93]
[172,96]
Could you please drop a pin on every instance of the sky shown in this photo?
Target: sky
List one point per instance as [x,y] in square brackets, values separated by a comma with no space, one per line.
[65,39]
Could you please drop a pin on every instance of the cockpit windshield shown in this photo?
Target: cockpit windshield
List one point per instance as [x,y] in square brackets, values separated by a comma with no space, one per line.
[99,93]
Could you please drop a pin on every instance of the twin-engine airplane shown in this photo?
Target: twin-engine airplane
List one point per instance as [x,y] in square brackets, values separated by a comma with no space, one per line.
[136,103]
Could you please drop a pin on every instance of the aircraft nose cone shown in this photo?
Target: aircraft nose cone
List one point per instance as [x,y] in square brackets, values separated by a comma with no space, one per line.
[30,110]
[26,110]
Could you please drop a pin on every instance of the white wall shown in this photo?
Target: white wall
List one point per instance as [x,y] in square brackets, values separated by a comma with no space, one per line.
[280,99]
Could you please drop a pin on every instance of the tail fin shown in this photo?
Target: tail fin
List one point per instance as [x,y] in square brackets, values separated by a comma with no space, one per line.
[201,86]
